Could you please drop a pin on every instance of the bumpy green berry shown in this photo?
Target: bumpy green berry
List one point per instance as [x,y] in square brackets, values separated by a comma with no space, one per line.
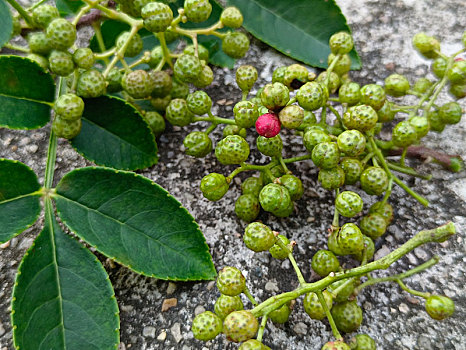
[232,149]
[361,117]
[373,225]
[203,53]
[396,85]
[246,114]
[333,245]
[324,261]
[40,60]
[199,102]
[457,73]
[426,45]
[314,308]
[281,315]
[155,122]
[252,185]
[351,142]
[67,129]
[439,307]
[247,207]
[137,83]
[178,113]
[369,248]
[373,95]
[179,89]
[246,76]
[275,95]
[231,17]
[458,90]
[315,136]
[234,130]
[374,180]
[278,252]
[295,76]
[422,85]
[336,345]
[274,197]
[135,45]
[309,120]
[362,342]
[61,34]
[155,57]
[348,203]
[284,211]
[326,155]
[310,96]
[420,124]
[341,290]
[235,44]
[435,122]
[197,10]
[161,103]
[384,209]
[386,113]
[334,81]
[341,43]
[206,326]
[278,74]
[240,326]
[270,146]
[349,93]
[187,68]
[294,186]
[450,113]
[39,43]
[139,4]
[157,16]
[253,344]
[353,169]
[205,77]
[343,65]
[331,179]
[350,239]
[69,107]
[439,67]
[291,116]
[214,186]
[258,237]
[404,134]
[84,58]
[230,281]
[347,316]
[114,78]
[197,144]
[161,83]
[44,14]
[61,63]
[226,304]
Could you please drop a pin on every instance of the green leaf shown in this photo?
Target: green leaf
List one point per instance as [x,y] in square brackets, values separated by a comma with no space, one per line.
[63,298]
[298,28]
[68,7]
[19,198]
[135,222]
[6,24]
[114,134]
[26,93]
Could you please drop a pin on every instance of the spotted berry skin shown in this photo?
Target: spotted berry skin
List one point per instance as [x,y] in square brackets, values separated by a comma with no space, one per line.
[268,125]
[226,304]
[205,77]
[231,17]
[199,102]
[258,237]
[187,68]
[114,78]
[270,146]
[278,252]
[294,186]
[331,179]
[373,225]
[369,248]
[282,314]
[275,95]
[252,185]
[439,307]
[155,57]
[348,203]
[435,123]
[230,281]
[247,207]
[291,116]
[350,239]
[422,85]
[343,65]
[326,155]
[178,113]
[334,81]
[324,261]
[404,134]
[374,180]
[373,95]
[235,44]
[179,89]
[314,308]
[361,117]
[274,197]
[310,96]
[203,53]
[39,43]
[61,33]
[345,292]
[61,63]
[457,73]
[206,326]
[386,113]
[44,14]
[137,83]
[450,113]
[350,93]
[347,316]
[284,212]
[427,45]
[157,16]
[420,124]
[67,129]
[295,76]
[396,85]
[384,209]
[69,107]
[214,186]
[278,74]
[162,83]
[457,90]
[135,44]
[155,121]
[352,168]
[362,342]
[351,142]
[240,326]
[253,344]
[84,58]
[336,345]
[234,130]
[91,83]
[246,76]
[246,114]
[314,136]
[341,43]
[197,144]
[232,149]
[197,10]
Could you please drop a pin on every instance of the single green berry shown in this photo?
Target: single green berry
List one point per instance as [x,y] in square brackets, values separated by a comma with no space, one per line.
[450,113]
[246,114]
[157,16]
[369,248]
[343,64]
[84,58]
[139,4]
[282,314]
[373,95]
[230,281]
[202,52]
[457,73]
[65,128]
[422,85]
[351,142]
[234,130]
[331,179]
[91,83]
[178,113]
[235,44]
[278,252]
[114,78]
[187,68]
[39,43]
[404,134]
[332,83]
[179,89]
[278,75]
[350,239]
[349,93]
[439,307]
[240,326]
[326,155]
[275,95]
[428,46]
[310,96]
[69,107]
[246,76]
[374,180]
[161,103]
[341,43]
[197,10]
[373,225]
[134,46]
[214,186]
[61,34]
[197,144]
[199,102]
[295,76]
[257,236]
[439,67]
[314,308]
[226,304]
[396,85]
[247,207]
[341,290]
[205,77]
[44,14]
[162,83]
[314,136]
[206,326]
[333,245]
[348,203]
[253,344]
[347,316]
[274,197]
[353,169]
[252,185]
[294,186]
[291,116]
[284,212]
[384,209]
[361,117]
[435,122]
[231,17]
[155,121]
[420,124]
[156,56]
[362,342]
[308,120]
[324,261]
[232,149]
[458,90]
[137,83]
[61,63]
[336,345]
[386,113]
[270,146]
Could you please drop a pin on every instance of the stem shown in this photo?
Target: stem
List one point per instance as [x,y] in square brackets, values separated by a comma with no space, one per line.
[260,333]
[250,296]
[403,156]
[22,12]
[297,159]
[216,120]
[37,4]
[388,192]
[292,260]
[283,164]
[336,215]
[322,301]
[206,31]
[81,13]
[412,291]
[440,86]
[101,43]
[408,171]
[113,14]
[165,50]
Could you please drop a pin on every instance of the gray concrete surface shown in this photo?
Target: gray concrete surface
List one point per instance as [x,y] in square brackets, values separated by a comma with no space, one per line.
[382,32]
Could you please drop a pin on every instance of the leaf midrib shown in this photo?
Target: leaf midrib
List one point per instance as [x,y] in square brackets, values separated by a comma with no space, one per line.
[23,98]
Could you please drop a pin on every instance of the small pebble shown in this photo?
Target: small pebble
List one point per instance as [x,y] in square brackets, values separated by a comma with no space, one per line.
[176,332]
[300,328]
[169,303]
[403,308]
[171,288]
[271,286]
[149,331]
[162,336]
[199,310]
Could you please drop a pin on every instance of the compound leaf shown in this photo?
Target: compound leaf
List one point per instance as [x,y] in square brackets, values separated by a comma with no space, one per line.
[135,222]
[114,134]
[6,24]
[19,198]
[63,298]
[26,93]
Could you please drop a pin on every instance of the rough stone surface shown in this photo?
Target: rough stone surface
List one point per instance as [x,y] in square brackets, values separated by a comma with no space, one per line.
[382,32]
